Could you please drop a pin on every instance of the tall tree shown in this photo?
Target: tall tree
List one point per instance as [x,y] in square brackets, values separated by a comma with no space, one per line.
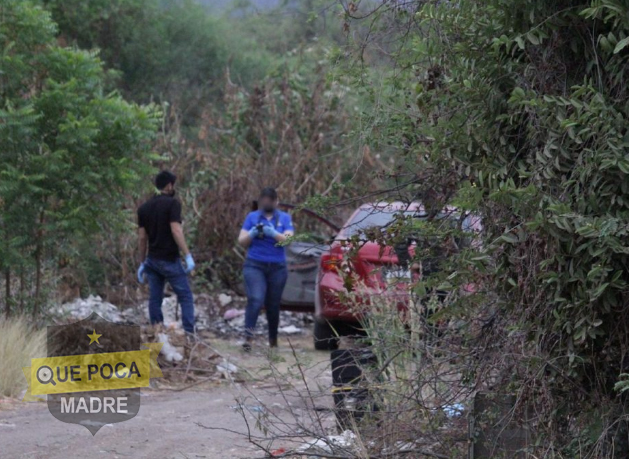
[68,149]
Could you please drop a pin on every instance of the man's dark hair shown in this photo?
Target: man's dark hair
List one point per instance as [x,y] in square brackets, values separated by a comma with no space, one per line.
[269,192]
[164,178]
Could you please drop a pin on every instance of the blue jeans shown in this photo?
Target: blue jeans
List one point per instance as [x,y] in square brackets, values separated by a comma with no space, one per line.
[265,283]
[160,271]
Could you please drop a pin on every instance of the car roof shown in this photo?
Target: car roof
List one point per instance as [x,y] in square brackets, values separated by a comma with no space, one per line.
[393,205]
[415,207]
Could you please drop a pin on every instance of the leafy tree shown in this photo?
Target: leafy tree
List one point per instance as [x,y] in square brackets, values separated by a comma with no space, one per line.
[168,51]
[68,149]
[518,111]
[287,28]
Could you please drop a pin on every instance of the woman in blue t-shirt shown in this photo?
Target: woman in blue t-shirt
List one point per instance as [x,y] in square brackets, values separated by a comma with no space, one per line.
[265,270]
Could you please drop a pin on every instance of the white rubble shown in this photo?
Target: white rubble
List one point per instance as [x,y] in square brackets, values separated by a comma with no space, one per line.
[233,323]
[172,313]
[327,445]
[81,308]
[226,367]
[207,314]
[290,330]
[454,410]
[224,299]
[170,352]
[233,313]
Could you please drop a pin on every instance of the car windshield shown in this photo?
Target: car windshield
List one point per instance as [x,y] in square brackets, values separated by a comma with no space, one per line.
[377,217]
[380,217]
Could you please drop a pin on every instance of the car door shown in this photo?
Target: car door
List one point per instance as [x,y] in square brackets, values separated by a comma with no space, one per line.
[303,256]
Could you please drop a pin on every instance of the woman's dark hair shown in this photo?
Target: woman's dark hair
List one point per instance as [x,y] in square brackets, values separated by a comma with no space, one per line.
[269,192]
[164,178]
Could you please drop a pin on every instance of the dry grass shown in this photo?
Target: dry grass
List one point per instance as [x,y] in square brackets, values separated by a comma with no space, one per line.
[19,342]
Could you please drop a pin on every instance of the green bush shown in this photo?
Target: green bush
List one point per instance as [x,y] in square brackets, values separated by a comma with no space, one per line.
[69,150]
[517,110]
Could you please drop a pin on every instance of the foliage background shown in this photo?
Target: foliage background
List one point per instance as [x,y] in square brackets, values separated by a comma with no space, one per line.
[231,101]
[519,112]
[512,110]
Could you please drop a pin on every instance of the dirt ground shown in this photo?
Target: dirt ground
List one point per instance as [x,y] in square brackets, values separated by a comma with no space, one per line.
[167,424]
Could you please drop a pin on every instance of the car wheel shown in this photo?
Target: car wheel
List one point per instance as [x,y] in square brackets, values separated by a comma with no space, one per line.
[325,338]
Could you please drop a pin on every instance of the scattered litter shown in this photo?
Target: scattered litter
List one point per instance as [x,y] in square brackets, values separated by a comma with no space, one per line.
[226,367]
[206,309]
[250,408]
[170,311]
[210,314]
[224,299]
[233,313]
[171,354]
[233,323]
[454,410]
[343,441]
[290,330]
[81,308]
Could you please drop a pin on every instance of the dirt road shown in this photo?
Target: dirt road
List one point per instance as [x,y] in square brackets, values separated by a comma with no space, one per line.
[166,426]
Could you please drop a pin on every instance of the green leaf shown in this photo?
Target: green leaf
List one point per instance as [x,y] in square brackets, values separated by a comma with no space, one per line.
[621,45]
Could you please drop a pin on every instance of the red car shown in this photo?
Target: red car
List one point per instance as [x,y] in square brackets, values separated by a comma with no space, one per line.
[375,270]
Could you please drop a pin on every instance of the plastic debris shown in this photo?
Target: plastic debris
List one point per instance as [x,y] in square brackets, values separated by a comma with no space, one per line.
[208,314]
[82,308]
[224,299]
[250,408]
[233,323]
[454,410]
[233,313]
[327,445]
[226,367]
[170,353]
[290,330]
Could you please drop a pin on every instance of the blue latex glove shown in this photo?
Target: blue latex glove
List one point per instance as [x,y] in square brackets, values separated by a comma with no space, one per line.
[270,231]
[189,263]
[141,275]
[254,232]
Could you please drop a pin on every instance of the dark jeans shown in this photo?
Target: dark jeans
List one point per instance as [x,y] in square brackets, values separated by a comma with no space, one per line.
[158,273]
[265,283]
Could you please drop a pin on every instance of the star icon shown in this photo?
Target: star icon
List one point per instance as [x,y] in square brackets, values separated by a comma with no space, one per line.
[94,337]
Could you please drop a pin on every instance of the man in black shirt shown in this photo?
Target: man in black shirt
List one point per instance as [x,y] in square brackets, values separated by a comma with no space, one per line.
[160,231]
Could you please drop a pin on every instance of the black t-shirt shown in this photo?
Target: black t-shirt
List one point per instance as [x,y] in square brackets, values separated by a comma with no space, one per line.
[155,216]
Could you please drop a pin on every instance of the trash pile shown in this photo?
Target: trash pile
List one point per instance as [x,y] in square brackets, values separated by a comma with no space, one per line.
[233,323]
[80,309]
[205,310]
[221,313]
[182,362]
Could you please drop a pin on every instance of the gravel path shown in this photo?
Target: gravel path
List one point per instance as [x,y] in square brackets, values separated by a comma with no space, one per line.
[166,426]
